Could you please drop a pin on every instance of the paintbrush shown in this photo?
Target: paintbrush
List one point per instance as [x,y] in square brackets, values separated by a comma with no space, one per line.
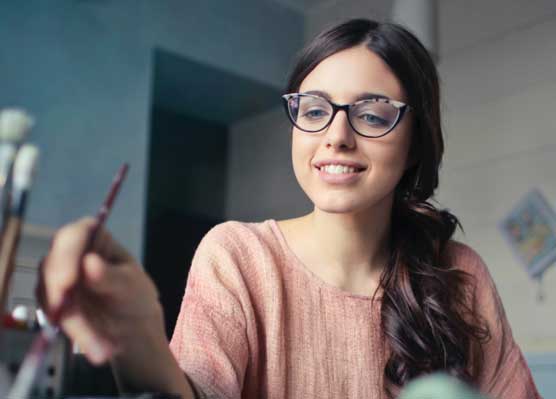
[33,360]
[14,127]
[24,171]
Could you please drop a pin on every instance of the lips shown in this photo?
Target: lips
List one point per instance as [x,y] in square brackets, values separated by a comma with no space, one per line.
[339,172]
[337,162]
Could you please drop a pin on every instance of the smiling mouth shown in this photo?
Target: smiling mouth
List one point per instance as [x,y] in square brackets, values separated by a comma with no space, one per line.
[339,169]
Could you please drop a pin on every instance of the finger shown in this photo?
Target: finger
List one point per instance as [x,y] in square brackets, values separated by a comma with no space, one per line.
[61,267]
[112,285]
[119,287]
[103,278]
[97,349]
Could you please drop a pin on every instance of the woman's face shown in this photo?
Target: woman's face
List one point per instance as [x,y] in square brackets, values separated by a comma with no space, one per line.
[344,78]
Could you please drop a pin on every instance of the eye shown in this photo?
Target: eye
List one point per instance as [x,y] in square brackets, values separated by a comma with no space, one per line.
[315,113]
[373,120]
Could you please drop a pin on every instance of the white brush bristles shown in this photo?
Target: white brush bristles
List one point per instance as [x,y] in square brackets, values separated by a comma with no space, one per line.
[25,166]
[7,156]
[14,124]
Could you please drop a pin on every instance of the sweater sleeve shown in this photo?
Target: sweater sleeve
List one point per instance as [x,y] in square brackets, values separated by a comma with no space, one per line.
[504,374]
[209,340]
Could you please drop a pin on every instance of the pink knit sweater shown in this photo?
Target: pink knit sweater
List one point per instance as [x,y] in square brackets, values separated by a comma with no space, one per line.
[255,323]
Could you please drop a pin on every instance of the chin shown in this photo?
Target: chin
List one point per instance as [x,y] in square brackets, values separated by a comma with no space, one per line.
[338,206]
[345,205]
[335,210]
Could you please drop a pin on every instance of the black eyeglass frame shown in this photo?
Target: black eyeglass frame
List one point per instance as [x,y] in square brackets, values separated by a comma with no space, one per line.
[402,109]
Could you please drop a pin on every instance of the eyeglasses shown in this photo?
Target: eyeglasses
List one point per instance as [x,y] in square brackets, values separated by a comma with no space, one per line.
[373,117]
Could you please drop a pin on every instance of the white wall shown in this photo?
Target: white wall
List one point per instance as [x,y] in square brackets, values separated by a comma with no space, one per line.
[333,12]
[499,100]
[470,23]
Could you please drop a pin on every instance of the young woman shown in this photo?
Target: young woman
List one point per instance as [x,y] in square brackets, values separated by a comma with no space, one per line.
[354,299]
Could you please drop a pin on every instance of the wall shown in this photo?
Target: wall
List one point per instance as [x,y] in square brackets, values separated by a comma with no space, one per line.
[499,102]
[261,183]
[333,12]
[84,70]
[498,86]
[73,67]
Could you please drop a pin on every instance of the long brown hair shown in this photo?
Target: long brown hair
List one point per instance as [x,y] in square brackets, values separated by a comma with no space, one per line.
[426,315]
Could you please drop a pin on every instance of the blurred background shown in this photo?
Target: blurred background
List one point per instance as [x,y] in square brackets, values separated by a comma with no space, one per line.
[188,93]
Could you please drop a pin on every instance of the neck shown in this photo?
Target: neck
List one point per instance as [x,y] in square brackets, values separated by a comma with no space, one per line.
[355,244]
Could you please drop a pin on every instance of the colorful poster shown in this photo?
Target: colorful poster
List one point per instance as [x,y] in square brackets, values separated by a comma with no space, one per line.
[530,229]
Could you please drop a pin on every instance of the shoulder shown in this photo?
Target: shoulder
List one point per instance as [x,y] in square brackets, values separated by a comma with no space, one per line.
[236,246]
[465,258]
[235,268]
[238,236]
[482,286]
[225,259]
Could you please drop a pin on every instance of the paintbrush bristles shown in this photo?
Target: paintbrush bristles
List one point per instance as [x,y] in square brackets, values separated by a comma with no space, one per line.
[7,156]
[14,124]
[25,166]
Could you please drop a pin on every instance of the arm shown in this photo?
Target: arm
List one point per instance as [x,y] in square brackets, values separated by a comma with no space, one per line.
[210,338]
[503,374]
[150,366]
[114,313]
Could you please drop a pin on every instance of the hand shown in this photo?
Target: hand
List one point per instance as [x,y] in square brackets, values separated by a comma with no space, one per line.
[113,305]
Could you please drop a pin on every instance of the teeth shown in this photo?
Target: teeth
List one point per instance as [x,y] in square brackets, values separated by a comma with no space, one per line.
[337,169]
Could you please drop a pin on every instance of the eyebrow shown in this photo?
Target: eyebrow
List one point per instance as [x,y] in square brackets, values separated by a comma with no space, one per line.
[362,96]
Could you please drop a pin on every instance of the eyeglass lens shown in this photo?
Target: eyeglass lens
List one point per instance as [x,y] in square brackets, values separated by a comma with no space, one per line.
[370,117]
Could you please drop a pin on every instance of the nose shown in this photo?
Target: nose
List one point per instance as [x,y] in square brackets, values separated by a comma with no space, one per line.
[339,134]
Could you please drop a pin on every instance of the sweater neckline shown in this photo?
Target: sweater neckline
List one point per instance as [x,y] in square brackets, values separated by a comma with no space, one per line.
[296,264]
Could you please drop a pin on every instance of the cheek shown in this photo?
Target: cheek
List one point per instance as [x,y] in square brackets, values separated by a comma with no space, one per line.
[392,158]
[303,150]
[389,159]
